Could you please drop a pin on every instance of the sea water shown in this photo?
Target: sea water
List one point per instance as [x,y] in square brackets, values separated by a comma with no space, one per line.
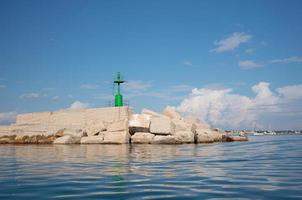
[266,167]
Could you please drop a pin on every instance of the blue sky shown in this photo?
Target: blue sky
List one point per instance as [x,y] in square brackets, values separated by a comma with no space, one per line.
[57,53]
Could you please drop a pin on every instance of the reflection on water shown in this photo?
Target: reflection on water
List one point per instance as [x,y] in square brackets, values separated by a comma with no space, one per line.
[263,168]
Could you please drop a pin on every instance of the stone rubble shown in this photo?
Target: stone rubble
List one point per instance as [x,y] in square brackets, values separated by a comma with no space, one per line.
[148,127]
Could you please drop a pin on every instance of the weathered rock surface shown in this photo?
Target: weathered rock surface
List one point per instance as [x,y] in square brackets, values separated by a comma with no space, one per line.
[7,139]
[234,138]
[184,137]
[202,136]
[67,139]
[96,139]
[150,112]
[121,125]
[74,132]
[95,127]
[216,135]
[164,139]
[171,113]
[181,125]
[162,126]
[142,138]
[119,137]
[196,122]
[139,123]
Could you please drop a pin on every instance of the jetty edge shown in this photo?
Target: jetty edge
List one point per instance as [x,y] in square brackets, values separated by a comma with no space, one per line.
[111,125]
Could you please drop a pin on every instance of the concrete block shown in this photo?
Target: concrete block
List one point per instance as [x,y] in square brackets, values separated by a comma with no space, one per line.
[162,126]
[142,138]
[119,137]
[139,123]
[97,139]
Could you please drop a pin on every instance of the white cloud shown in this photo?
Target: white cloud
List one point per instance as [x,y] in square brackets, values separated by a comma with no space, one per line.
[137,85]
[7,118]
[2,86]
[224,108]
[291,92]
[188,63]
[293,59]
[78,105]
[32,95]
[89,86]
[248,64]
[231,42]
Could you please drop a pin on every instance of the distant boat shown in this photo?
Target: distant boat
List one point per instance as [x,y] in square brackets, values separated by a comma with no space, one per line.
[270,133]
[258,134]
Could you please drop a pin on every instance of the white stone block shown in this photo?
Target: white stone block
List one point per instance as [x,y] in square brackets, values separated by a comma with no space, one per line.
[119,137]
[142,138]
[97,139]
[162,126]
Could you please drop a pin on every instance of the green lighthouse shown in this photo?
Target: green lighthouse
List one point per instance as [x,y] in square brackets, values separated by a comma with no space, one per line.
[118,101]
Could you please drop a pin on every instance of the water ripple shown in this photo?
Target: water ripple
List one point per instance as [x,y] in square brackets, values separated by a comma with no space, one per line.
[263,168]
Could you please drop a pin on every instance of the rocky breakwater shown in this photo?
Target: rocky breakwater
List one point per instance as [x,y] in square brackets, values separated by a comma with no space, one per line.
[169,127]
[85,126]
[110,126]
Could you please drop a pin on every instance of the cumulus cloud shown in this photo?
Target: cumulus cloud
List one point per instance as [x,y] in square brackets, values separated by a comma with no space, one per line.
[31,95]
[231,42]
[7,118]
[248,64]
[291,92]
[293,59]
[78,105]
[224,108]
[89,86]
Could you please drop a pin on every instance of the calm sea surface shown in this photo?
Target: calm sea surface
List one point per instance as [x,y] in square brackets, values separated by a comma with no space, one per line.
[266,167]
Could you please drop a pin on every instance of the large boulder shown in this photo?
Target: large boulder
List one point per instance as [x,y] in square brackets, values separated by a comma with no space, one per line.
[118,137]
[74,132]
[7,139]
[216,134]
[142,138]
[67,139]
[121,125]
[95,139]
[95,127]
[139,123]
[171,113]
[150,112]
[162,126]
[234,138]
[184,137]
[182,125]
[164,139]
[203,136]
[196,122]
[4,130]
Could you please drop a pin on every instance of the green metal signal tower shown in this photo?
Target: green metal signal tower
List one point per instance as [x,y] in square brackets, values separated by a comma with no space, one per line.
[118,101]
